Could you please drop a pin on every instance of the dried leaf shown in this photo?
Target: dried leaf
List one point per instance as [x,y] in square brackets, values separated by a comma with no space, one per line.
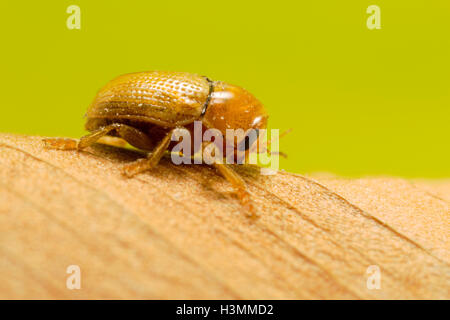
[179,232]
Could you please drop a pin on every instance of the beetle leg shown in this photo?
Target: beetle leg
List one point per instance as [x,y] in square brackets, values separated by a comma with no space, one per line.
[132,135]
[239,185]
[113,141]
[152,160]
[237,182]
[60,143]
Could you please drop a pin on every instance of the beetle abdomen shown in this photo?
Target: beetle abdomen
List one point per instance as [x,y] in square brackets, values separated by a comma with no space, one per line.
[163,98]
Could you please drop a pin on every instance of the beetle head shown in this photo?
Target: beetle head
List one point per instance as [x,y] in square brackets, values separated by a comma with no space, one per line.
[232,107]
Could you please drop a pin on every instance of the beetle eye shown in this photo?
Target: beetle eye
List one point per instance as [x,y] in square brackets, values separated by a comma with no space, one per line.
[249,139]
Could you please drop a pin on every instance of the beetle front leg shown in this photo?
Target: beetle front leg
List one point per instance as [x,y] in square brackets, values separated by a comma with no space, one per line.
[239,185]
[236,181]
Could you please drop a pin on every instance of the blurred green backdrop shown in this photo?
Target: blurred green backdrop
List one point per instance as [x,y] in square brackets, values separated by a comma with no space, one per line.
[360,101]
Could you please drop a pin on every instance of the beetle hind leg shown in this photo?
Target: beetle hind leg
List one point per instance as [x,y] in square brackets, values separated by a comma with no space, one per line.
[130,134]
[61,143]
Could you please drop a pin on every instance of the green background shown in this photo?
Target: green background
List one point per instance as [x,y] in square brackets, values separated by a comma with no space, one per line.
[360,101]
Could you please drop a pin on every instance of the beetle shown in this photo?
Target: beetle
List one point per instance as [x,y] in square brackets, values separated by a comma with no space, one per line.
[146,108]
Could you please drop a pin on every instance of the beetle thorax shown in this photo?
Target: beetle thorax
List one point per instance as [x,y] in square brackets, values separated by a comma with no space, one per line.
[232,107]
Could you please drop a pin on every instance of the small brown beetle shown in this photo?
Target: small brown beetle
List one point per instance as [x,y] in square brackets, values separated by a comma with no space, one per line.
[145,109]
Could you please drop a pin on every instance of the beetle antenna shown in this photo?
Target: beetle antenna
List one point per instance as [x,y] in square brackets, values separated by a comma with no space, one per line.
[267,149]
[285,132]
[280,153]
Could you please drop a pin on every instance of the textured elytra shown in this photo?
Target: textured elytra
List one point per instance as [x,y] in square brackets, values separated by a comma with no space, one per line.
[160,97]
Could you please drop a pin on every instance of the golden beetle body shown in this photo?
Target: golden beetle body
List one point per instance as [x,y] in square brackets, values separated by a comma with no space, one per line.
[145,108]
[163,98]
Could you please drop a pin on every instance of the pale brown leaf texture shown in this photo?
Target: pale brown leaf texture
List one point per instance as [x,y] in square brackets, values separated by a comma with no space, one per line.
[178,232]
